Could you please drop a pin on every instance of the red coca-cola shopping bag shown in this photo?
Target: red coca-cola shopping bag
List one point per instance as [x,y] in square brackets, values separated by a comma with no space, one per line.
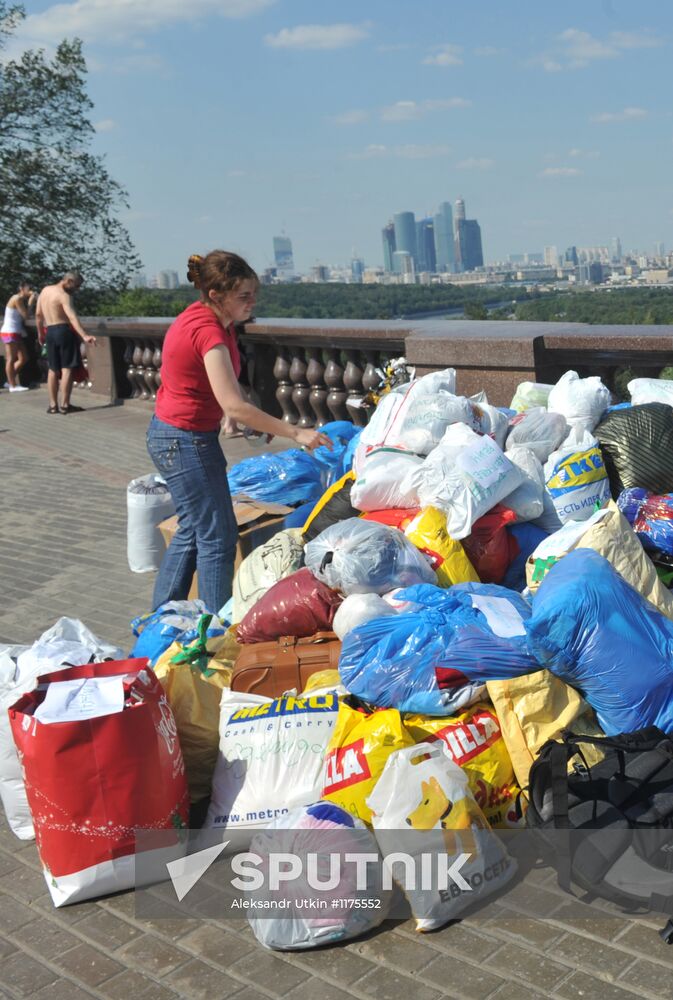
[101,760]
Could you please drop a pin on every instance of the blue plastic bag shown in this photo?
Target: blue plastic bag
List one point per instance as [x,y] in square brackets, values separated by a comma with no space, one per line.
[528,537]
[299,516]
[598,634]
[289,477]
[650,516]
[341,433]
[436,659]
[173,621]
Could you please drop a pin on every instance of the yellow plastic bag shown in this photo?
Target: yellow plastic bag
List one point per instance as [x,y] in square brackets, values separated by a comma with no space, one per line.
[535,708]
[193,678]
[475,742]
[428,533]
[361,744]
[322,679]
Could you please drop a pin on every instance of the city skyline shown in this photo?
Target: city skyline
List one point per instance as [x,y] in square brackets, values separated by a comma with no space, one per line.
[552,123]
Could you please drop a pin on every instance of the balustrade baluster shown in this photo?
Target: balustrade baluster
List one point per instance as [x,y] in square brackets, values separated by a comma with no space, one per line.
[353,383]
[156,361]
[147,372]
[315,373]
[371,378]
[281,372]
[300,390]
[336,397]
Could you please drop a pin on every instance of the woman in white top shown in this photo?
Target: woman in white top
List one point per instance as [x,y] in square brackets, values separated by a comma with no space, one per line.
[13,333]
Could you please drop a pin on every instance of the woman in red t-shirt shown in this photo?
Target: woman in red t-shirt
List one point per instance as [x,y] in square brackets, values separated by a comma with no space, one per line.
[199,383]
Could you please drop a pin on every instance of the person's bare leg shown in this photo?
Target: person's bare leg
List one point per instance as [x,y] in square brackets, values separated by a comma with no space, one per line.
[52,388]
[21,358]
[10,363]
[66,387]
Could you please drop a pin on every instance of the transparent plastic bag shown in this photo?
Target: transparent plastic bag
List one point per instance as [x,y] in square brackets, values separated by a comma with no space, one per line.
[582,401]
[537,429]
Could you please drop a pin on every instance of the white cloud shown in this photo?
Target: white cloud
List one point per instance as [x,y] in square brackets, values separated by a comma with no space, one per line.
[403,111]
[475,163]
[585,154]
[117,20]
[627,115]
[560,172]
[487,50]
[410,151]
[354,117]
[444,55]
[318,36]
[576,49]
[105,125]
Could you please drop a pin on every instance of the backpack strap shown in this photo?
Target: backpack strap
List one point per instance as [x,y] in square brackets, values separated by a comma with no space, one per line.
[558,765]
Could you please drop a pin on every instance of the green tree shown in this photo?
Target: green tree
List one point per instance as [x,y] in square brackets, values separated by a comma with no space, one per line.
[58,203]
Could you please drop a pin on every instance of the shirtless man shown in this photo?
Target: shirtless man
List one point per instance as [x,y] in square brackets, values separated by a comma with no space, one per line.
[58,324]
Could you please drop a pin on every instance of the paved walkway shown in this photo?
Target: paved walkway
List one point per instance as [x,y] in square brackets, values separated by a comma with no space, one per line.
[63,552]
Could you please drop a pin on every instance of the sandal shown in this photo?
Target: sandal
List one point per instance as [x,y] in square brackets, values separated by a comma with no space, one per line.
[53,409]
[71,409]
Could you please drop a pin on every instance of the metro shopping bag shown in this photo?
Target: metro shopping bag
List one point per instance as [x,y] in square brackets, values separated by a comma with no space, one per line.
[93,781]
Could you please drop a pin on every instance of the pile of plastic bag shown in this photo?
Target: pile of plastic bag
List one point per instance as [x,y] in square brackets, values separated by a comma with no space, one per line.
[469,572]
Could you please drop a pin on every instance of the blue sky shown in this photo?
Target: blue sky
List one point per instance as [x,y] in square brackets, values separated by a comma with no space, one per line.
[229,121]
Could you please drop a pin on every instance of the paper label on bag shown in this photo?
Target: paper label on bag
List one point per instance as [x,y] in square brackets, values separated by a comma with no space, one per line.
[88,698]
[502,617]
[484,463]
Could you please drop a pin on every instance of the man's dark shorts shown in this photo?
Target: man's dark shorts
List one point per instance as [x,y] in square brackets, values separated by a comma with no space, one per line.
[62,347]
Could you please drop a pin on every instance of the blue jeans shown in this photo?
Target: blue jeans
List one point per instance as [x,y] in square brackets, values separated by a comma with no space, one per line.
[195,470]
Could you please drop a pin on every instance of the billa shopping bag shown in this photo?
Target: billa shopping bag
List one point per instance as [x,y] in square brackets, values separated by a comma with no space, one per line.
[101,760]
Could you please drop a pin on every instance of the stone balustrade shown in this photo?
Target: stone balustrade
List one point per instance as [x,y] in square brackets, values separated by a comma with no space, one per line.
[309,372]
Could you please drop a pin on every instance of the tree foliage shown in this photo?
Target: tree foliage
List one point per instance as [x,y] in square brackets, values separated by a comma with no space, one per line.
[611,306]
[58,203]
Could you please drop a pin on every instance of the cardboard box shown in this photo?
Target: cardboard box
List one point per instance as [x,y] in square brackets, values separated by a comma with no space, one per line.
[257,523]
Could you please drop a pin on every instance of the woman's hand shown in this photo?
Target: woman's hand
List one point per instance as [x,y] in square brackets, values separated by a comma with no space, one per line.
[309,439]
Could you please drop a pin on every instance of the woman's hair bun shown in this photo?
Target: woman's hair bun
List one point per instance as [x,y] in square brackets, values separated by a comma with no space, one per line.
[194,268]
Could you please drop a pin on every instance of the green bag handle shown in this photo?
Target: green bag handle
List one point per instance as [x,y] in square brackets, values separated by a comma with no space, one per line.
[196,654]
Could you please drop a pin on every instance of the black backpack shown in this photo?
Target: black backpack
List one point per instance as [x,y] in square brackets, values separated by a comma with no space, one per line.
[608,827]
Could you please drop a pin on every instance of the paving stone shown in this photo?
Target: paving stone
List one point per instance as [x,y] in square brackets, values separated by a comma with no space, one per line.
[649,978]
[532,900]
[24,882]
[521,964]
[130,985]
[515,991]
[217,945]
[340,963]
[644,938]
[88,964]
[268,972]
[7,864]
[582,986]
[62,989]
[317,989]
[14,914]
[248,993]
[404,954]
[468,980]
[540,933]
[108,930]
[581,952]
[153,955]
[45,938]
[386,984]
[25,975]
[459,939]
[7,948]
[589,919]
[201,982]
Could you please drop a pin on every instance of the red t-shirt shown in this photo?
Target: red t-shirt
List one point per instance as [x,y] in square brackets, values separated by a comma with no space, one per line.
[185,398]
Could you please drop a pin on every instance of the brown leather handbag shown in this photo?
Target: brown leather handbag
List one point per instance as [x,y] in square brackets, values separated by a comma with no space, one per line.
[272,668]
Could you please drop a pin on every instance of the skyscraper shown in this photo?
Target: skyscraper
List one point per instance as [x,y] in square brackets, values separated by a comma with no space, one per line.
[445,258]
[468,244]
[282,253]
[405,233]
[570,256]
[616,249]
[357,269]
[460,210]
[551,256]
[389,247]
[425,245]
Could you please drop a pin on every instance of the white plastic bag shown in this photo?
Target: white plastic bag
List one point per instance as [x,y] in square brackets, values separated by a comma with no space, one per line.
[530,394]
[148,503]
[326,830]
[527,499]
[422,789]
[421,426]
[271,757]
[267,564]
[364,557]
[582,401]
[380,474]
[651,390]
[575,477]
[492,422]
[537,429]
[66,642]
[359,608]
[464,476]
[390,412]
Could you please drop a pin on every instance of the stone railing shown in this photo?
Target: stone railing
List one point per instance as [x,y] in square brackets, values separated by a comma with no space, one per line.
[311,371]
